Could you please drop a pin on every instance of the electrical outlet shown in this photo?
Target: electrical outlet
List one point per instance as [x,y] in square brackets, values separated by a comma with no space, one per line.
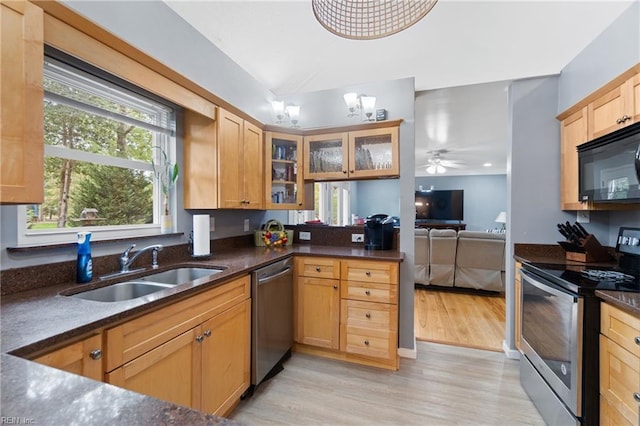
[306,236]
[357,238]
[583,216]
[212,224]
[246,225]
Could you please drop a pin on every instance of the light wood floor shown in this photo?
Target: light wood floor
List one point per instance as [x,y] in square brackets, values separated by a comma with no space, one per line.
[445,385]
[462,319]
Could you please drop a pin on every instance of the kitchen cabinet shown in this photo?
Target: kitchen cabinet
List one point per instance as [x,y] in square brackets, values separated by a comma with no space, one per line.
[518,306]
[317,302]
[195,352]
[369,310]
[619,366]
[573,132]
[240,163]
[617,108]
[348,310]
[285,188]
[200,178]
[356,154]
[21,109]
[83,358]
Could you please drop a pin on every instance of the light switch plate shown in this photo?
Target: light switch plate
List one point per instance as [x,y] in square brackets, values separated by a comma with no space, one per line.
[212,224]
[357,238]
[583,216]
[306,236]
[246,225]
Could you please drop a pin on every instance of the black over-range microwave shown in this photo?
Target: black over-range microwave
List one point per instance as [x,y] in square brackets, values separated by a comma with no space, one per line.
[609,167]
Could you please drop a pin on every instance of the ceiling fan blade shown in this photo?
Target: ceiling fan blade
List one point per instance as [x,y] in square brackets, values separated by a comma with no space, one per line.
[453,164]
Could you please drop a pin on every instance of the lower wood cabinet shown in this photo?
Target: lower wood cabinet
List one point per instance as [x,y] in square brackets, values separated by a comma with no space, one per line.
[195,352]
[619,367]
[83,358]
[347,309]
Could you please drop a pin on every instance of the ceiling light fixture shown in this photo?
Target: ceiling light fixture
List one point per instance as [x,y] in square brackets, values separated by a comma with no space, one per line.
[369,19]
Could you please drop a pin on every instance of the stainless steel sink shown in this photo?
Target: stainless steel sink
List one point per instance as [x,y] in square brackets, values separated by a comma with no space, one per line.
[122,291]
[180,275]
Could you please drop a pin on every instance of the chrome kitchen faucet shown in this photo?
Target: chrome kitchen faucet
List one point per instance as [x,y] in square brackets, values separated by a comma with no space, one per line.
[125,261]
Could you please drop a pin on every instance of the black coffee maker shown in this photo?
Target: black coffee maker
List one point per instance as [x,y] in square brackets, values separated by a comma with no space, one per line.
[378,232]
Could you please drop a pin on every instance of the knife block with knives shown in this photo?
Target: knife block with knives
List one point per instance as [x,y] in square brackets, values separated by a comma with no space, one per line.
[580,245]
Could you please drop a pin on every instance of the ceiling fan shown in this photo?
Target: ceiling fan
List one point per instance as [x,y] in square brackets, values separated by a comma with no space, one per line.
[437,164]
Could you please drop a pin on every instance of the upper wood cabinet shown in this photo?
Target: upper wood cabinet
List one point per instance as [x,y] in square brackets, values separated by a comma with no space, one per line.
[617,108]
[240,163]
[285,188]
[358,154]
[200,162]
[83,358]
[573,132]
[21,97]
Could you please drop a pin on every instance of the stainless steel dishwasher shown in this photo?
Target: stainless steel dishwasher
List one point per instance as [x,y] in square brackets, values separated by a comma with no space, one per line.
[271,319]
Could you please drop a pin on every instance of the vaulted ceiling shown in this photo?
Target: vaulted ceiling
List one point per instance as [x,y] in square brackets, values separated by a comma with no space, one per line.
[462,54]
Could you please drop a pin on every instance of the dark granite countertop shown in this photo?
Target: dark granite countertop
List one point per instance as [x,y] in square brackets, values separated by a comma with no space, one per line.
[543,253]
[39,319]
[41,395]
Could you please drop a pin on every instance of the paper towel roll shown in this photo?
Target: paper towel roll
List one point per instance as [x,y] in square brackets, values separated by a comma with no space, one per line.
[201,240]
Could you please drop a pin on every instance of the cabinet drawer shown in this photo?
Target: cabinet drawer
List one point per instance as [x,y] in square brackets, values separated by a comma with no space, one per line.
[621,327]
[368,342]
[370,292]
[318,267]
[375,316]
[133,338]
[609,416]
[619,378]
[370,271]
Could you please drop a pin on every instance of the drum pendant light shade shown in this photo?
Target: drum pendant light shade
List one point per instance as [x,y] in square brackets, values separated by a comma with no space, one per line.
[369,19]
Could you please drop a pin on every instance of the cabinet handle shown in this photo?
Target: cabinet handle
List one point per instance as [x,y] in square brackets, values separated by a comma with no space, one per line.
[367,292]
[344,171]
[625,118]
[368,315]
[368,273]
[317,269]
[351,171]
[199,338]
[366,342]
[636,396]
[335,286]
[207,333]
[96,354]
[619,121]
[637,340]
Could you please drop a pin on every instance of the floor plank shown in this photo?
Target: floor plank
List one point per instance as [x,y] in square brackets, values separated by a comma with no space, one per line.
[459,318]
[445,385]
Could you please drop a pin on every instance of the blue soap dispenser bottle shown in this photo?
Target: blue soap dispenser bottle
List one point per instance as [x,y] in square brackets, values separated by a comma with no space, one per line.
[84,266]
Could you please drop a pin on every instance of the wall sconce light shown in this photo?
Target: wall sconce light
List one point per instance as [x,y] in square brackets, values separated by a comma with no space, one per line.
[365,103]
[368,106]
[353,103]
[293,111]
[290,113]
[278,108]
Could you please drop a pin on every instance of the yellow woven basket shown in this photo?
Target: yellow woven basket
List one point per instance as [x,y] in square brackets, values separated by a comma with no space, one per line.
[273,234]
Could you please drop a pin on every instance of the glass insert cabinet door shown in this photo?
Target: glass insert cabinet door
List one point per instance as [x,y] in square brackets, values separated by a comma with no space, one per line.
[326,156]
[284,188]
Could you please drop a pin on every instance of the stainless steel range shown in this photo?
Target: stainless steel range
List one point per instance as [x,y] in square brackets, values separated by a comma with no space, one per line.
[560,326]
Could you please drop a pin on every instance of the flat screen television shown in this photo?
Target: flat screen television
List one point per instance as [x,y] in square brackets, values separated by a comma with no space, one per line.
[440,205]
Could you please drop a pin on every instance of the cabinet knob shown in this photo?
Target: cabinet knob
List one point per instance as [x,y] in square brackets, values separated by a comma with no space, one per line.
[317,269]
[344,171]
[368,273]
[207,333]
[367,292]
[625,118]
[636,396]
[351,171]
[619,121]
[637,340]
[199,338]
[366,342]
[335,286]
[95,354]
[368,315]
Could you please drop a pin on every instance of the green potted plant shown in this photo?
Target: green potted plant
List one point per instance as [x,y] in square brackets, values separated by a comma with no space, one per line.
[166,173]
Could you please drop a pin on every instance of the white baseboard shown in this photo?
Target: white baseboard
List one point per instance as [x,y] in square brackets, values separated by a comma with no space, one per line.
[409,353]
[510,353]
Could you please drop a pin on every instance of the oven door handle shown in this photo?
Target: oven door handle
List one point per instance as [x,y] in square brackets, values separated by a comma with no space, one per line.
[549,288]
